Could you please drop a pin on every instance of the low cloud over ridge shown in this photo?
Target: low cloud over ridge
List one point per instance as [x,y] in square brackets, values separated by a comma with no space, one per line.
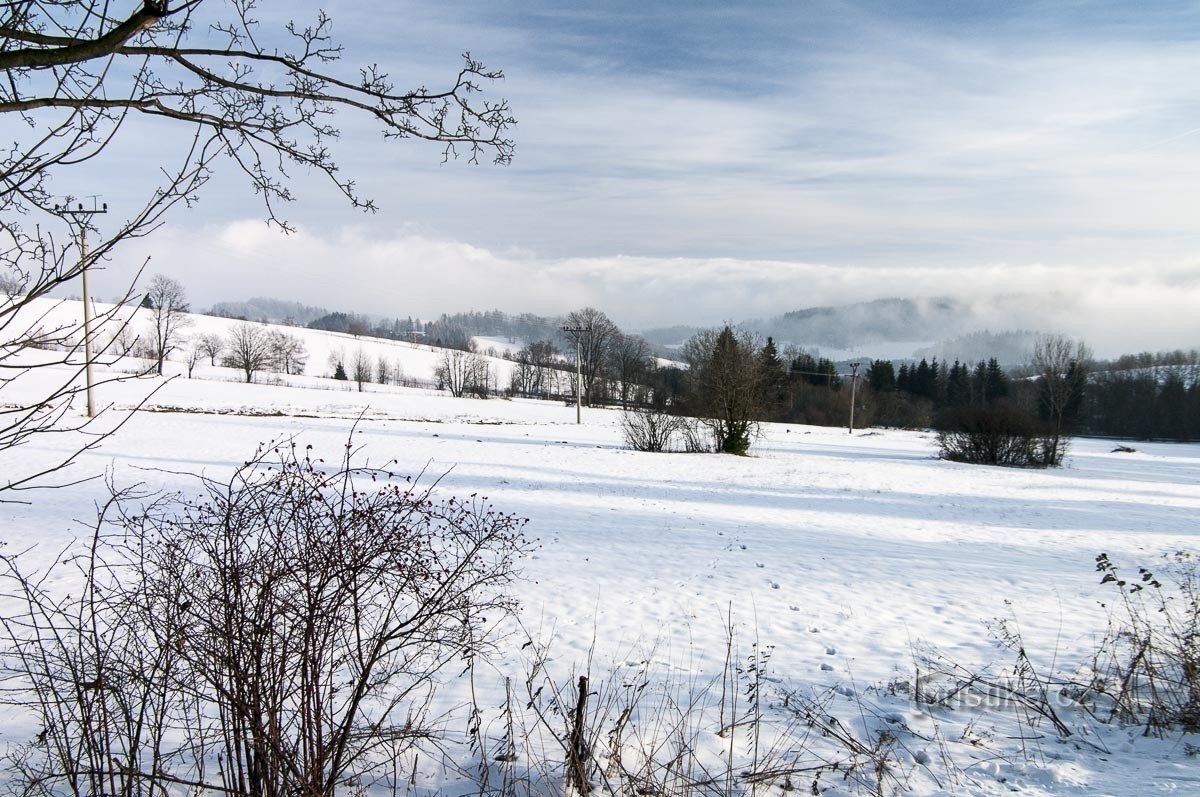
[1117,308]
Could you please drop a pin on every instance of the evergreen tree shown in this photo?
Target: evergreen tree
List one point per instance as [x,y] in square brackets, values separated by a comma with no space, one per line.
[923,384]
[958,386]
[881,376]
[1170,409]
[774,377]
[996,386]
[939,374]
[979,383]
[724,376]
[340,372]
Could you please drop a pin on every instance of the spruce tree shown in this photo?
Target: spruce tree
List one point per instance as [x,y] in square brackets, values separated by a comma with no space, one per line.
[881,376]
[774,378]
[997,381]
[979,383]
[958,386]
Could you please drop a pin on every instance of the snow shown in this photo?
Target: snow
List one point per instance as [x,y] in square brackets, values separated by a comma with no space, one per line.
[417,360]
[845,552]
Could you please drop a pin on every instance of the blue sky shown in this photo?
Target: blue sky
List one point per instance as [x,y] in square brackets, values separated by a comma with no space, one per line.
[696,162]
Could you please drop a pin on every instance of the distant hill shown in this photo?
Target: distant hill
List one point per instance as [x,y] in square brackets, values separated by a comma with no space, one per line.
[275,311]
[668,336]
[1010,348]
[852,325]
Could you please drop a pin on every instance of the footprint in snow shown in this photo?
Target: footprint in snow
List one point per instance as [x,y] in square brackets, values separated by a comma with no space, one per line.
[826,667]
[774,584]
[759,564]
[830,651]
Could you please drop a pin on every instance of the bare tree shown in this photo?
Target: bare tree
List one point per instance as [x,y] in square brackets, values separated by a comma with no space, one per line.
[168,307]
[288,351]
[1061,365]
[79,75]
[594,338]
[383,371]
[537,368]
[360,369]
[631,362]
[463,373]
[248,349]
[211,345]
[192,354]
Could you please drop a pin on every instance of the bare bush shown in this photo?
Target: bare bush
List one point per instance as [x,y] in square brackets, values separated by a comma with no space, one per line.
[1002,433]
[631,729]
[649,429]
[279,634]
[696,439]
[1150,662]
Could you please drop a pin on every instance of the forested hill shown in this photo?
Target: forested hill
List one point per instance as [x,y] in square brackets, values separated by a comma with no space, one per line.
[851,325]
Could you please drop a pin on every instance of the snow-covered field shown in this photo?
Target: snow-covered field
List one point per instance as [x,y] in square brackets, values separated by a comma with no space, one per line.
[844,552]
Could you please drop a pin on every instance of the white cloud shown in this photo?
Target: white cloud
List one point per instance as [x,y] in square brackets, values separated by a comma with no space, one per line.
[1148,305]
[821,155]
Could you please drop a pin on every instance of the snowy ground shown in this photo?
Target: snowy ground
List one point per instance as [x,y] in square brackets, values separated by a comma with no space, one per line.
[844,552]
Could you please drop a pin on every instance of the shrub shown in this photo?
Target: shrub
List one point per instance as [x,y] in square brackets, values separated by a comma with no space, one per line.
[650,429]
[696,439]
[1149,663]
[1002,433]
[284,631]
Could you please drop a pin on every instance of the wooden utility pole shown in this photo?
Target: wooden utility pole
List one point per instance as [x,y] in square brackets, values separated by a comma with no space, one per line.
[577,332]
[853,391]
[80,216]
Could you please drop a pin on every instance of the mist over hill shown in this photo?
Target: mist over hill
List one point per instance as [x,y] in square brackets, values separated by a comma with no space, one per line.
[858,325]
[894,328]
[264,308]
[1009,348]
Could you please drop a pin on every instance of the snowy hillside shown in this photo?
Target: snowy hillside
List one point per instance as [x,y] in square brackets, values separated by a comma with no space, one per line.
[416,361]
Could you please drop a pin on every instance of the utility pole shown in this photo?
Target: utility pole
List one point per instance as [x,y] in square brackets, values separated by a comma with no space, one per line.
[80,216]
[853,387]
[577,331]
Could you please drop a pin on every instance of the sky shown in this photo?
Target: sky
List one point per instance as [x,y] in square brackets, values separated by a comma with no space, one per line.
[693,163]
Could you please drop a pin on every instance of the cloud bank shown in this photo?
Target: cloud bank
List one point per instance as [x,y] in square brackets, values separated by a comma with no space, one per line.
[1117,309]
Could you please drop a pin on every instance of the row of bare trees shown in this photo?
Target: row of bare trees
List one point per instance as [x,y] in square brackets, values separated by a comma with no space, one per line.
[464,373]
[610,364]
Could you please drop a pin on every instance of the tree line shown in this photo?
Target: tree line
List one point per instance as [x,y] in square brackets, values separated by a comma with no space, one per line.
[1143,396]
